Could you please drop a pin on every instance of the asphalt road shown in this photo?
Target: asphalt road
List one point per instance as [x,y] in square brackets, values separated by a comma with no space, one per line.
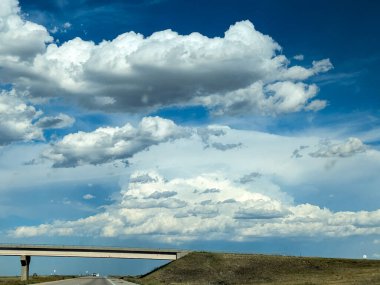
[89,281]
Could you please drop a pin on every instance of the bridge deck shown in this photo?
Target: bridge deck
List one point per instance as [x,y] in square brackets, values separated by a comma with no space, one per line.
[89,251]
[26,251]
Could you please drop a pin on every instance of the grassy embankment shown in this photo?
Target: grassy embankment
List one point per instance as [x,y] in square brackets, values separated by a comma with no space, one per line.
[215,268]
[15,280]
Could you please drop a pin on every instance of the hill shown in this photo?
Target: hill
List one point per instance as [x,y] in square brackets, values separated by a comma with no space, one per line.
[221,268]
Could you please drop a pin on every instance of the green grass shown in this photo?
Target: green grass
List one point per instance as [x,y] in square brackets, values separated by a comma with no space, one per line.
[13,280]
[203,268]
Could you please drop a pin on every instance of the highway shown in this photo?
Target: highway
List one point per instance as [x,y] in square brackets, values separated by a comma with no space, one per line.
[89,281]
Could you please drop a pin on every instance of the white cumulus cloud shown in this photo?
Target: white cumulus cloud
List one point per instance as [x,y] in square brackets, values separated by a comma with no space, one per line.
[242,72]
[88,196]
[299,57]
[107,144]
[184,190]
[55,122]
[21,121]
[182,209]
[19,39]
[16,119]
[348,148]
[270,99]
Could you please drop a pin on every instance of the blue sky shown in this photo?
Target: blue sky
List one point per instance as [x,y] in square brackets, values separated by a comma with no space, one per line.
[249,126]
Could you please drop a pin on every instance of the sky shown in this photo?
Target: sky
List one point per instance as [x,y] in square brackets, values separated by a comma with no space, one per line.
[238,126]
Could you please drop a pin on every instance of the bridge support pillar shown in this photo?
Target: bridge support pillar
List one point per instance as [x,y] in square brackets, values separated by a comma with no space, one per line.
[25,261]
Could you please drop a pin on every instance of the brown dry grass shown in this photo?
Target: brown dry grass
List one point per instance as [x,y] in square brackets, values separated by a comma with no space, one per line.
[213,268]
[15,280]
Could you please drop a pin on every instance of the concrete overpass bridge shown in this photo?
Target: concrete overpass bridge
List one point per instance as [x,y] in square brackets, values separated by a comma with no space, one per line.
[27,251]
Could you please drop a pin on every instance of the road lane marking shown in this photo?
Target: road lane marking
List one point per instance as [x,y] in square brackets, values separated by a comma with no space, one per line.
[121,282]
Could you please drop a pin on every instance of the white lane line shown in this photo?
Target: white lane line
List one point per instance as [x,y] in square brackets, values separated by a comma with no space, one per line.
[110,281]
[122,282]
